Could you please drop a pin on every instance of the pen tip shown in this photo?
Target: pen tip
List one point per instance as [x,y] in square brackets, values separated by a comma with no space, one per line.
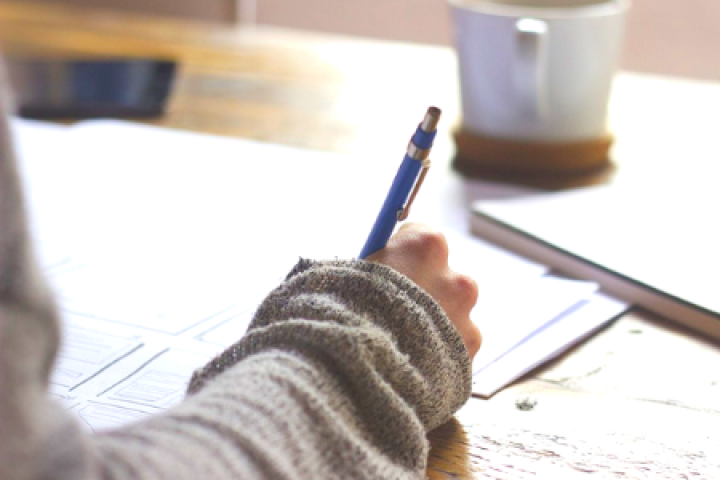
[432,117]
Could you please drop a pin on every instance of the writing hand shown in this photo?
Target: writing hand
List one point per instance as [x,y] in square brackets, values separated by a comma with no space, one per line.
[421,253]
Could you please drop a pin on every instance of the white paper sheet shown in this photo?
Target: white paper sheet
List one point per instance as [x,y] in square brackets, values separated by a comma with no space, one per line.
[160,244]
[510,313]
[554,338]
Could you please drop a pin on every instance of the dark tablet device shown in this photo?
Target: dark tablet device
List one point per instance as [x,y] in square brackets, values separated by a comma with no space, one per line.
[91,88]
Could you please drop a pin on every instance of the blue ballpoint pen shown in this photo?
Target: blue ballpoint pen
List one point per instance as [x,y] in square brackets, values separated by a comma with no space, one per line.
[409,177]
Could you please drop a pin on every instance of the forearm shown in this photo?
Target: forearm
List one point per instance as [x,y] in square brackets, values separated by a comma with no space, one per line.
[345,367]
[275,415]
[378,352]
[322,386]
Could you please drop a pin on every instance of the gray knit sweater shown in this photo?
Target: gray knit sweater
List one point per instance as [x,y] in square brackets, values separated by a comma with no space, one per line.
[344,368]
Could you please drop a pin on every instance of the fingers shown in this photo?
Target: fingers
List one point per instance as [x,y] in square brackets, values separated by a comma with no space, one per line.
[457,295]
[421,253]
[462,290]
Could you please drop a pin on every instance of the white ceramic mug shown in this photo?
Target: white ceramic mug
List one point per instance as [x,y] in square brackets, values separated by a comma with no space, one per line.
[538,70]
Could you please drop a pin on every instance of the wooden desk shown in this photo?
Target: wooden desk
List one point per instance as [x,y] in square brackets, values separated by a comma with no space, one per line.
[639,400]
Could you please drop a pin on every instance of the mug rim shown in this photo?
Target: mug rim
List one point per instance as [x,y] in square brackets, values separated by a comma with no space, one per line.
[491,7]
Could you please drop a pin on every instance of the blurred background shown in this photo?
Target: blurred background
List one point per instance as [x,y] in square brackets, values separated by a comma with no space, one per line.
[669,37]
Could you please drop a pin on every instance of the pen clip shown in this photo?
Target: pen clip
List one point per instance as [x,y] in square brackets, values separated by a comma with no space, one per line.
[403,213]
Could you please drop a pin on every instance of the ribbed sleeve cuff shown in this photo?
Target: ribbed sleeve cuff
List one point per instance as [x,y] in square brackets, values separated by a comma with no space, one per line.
[373,325]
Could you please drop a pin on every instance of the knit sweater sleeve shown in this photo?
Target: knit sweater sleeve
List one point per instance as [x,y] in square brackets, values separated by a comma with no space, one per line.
[344,368]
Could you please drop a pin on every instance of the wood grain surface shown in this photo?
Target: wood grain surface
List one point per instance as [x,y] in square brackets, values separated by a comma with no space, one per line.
[641,399]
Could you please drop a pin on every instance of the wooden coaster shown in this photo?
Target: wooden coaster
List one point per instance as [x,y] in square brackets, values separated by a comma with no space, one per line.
[550,165]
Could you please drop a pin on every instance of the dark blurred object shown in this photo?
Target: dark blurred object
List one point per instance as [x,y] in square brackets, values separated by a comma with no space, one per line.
[549,165]
[75,88]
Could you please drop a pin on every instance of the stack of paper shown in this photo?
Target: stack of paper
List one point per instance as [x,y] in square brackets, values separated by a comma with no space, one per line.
[526,314]
[160,244]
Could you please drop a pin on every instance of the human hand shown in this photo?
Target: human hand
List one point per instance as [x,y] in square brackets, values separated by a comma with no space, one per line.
[421,254]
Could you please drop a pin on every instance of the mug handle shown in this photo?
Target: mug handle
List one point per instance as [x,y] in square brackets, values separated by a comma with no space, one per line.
[530,74]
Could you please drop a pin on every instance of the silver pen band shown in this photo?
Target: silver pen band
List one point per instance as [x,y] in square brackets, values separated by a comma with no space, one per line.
[416,153]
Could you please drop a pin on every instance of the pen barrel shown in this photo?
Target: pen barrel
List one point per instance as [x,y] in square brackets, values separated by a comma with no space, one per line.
[393,205]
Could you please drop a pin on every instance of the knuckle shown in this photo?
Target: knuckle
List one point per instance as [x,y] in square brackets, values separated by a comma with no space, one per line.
[474,340]
[466,289]
[431,244]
